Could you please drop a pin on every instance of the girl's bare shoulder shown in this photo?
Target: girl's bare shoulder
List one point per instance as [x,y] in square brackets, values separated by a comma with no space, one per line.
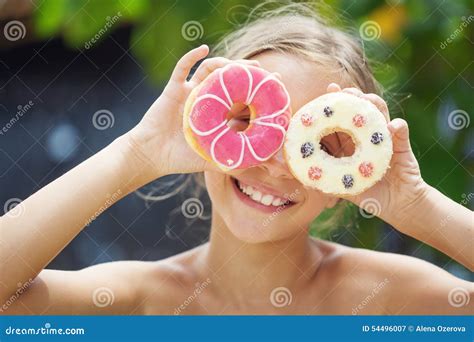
[400,284]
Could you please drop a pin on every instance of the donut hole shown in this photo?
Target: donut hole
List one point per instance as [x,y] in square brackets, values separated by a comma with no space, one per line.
[238,118]
[338,144]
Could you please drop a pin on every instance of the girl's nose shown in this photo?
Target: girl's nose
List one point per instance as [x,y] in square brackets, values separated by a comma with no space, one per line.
[276,166]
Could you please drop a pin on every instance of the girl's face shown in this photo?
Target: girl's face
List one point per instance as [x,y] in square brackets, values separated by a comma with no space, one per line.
[292,206]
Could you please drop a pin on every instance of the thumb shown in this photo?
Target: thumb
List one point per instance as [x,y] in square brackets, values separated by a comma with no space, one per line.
[400,135]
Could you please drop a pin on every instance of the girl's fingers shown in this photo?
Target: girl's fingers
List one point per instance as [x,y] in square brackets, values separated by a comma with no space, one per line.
[379,103]
[353,91]
[374,98]
[208,66]
[252,62]
[333,88]
[184,65]
[211,64]
[400,135]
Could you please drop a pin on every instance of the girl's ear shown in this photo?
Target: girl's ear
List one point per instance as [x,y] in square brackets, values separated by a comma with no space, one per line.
[332,201]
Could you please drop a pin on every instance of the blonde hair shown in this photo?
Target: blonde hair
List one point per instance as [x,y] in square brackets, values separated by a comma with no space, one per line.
[298,29]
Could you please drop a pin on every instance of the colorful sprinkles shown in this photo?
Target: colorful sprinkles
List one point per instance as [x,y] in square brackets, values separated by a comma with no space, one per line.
[376,138]
[307,119]
[366,169]
[307,149]
[358,120]
[328,111]
[314,173]
[348,181]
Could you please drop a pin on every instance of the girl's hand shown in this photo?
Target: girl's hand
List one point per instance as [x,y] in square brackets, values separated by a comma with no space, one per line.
[395,197]
[158,141]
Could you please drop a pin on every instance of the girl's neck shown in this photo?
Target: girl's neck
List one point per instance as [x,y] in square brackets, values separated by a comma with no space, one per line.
[254,269]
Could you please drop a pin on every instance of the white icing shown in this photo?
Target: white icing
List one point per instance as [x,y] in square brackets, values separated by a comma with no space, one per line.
[279,112]
[224,88]
[345,106]
[244,139]
[249,145]
[213,146]
[212,130]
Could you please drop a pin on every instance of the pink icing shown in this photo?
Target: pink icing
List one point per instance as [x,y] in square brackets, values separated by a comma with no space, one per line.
[237,83]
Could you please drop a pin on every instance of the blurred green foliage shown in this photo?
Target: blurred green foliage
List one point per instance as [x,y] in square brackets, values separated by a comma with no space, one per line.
[423,57]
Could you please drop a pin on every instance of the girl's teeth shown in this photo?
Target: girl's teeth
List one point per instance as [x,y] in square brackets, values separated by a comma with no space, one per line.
[267,199]
[276,202]
[257,196]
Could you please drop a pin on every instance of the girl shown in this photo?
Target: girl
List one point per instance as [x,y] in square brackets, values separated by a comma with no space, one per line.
[246,266]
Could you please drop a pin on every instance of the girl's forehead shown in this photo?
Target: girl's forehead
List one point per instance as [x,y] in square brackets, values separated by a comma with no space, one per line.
[304,80]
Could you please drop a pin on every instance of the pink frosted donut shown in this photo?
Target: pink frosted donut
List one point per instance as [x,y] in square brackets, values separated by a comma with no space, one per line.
[205,118]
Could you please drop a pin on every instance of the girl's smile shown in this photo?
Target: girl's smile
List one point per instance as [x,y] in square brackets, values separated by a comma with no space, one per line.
[261,197]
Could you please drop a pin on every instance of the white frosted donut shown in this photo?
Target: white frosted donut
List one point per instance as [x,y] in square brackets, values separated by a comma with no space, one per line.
[338,112]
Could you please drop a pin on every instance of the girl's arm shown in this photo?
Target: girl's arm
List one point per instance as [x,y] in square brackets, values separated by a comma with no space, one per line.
[410,205]
[441,223]
[35,231]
